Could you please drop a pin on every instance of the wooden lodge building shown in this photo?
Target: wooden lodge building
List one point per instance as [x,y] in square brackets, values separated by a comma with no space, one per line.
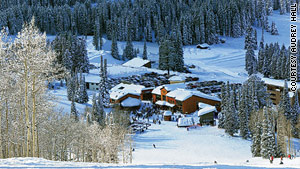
[275,87]
[178,99]
[122,91]
[169,97]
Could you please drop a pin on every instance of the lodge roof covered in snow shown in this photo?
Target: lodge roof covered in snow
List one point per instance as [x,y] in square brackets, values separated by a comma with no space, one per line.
[279,83]
[206,110]
[130,102]
[183,94]
[136,62]
[168,87]
[122,89]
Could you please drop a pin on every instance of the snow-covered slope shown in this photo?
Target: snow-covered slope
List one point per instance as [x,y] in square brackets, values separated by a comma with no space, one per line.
[176,148]
[222,61]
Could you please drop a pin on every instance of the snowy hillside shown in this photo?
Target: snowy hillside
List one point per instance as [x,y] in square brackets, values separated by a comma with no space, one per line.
[176,148]
[222,62]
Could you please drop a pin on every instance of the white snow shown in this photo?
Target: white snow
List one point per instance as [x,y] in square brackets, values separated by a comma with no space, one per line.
[136,62]
[186,121]
[167,113]
[164,103]
[175,148]
[206,110]
[176,78]
[168,87]
[131,102]
[183,94]
[202,105]
[92,78]
[204,45]
[122,89]
[279,83]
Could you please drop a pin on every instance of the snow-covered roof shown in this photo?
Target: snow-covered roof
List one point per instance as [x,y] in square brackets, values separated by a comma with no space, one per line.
[168,87]
[164,103]
[279,83]
[136,62]
[148,88]
[183,94]
[167,113]
[131,102]
[176,78]
[206,110]
[202,105]
[90,78]
[122,89]
[204,45]
[185,121]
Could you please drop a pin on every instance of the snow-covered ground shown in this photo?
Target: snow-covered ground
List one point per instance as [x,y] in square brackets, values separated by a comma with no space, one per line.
[176,148]
[222,62]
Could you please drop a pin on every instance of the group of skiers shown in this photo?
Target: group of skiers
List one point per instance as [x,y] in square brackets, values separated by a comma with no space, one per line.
[281,158]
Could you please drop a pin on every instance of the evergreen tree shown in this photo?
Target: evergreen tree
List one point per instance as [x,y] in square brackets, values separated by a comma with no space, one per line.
[114,48]
[82,96]
[221,115]
[101,42]
[256,135]
[95,113]
[178,56]
[261,58]
[96,36]
[285,104]
[103,84]
[282,7]
[70,87]
[74,112]
[128,52]
[100,110]
[249,39]
[274,30]
[255,40]
[261,44]
[231,117]
[243,116]
[236,27]
[165,54]
[268,146]
[251,62]
[145,51]
[267,62]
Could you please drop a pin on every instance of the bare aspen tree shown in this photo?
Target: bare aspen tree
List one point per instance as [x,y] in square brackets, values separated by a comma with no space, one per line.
[33,59]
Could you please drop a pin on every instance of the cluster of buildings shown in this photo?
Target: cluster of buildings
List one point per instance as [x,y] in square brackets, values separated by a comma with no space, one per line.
[171,97]
[174,97]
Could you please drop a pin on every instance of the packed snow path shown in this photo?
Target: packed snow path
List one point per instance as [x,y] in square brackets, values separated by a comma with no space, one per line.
[197,146]
[42,163]
[175,148]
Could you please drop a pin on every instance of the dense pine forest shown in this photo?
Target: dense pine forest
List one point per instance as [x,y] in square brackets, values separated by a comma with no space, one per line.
[199,21]
[249,110]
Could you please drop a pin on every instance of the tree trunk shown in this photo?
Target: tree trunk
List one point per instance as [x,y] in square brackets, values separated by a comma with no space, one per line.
[6,129]
[33,117]
[37,142]
[26,109]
